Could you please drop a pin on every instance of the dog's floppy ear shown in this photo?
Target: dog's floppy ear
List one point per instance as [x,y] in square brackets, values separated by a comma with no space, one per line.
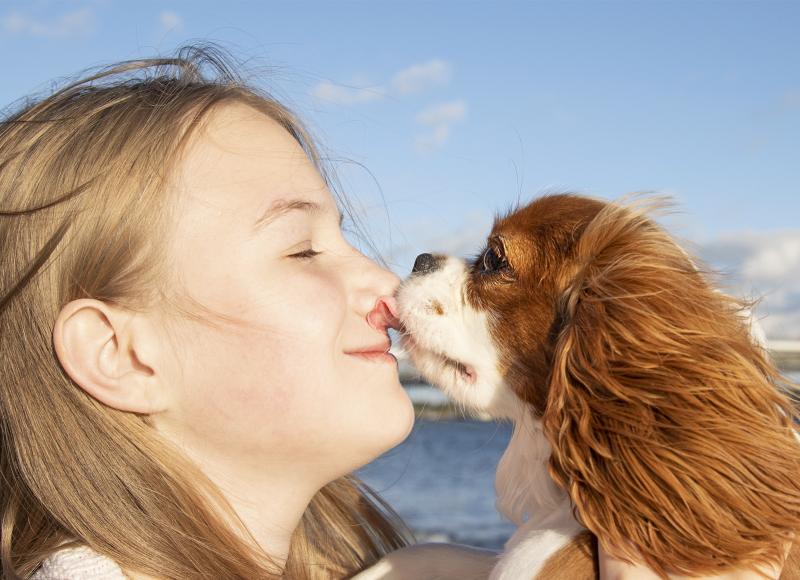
[667,429]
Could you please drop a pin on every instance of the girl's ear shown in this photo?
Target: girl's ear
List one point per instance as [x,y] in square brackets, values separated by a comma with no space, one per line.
[666,426]
[107,352]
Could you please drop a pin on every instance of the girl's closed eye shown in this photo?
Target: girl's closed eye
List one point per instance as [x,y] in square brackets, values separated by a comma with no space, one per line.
[305,254]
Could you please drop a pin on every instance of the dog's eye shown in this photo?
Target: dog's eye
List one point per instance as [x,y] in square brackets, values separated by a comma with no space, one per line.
[491,261]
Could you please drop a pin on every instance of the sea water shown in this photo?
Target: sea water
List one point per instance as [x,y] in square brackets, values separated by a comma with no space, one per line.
[441,481]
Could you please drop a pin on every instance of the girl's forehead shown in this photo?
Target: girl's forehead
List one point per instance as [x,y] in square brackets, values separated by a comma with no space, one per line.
[241,138]
[240,159]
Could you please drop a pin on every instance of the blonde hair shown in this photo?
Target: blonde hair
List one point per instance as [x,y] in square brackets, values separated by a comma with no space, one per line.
[82,191]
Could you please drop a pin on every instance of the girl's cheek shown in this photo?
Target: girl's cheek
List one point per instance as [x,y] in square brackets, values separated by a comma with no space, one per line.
[311,302]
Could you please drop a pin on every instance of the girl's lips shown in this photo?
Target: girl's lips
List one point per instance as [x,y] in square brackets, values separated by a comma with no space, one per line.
[376,352]
[379,348]
[375,356]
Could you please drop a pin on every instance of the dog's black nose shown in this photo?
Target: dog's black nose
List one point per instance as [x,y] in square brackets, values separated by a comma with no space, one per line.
[425,263]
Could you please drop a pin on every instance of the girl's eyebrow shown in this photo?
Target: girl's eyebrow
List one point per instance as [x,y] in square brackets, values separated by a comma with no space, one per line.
[281,207]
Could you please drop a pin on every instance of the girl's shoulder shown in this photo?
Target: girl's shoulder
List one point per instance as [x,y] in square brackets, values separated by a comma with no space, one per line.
[78,563]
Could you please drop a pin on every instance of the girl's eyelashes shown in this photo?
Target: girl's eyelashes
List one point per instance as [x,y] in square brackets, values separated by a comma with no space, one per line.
[305,254]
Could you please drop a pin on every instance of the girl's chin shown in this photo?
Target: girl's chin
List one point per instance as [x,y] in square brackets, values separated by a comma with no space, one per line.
[406,413]
[396,420]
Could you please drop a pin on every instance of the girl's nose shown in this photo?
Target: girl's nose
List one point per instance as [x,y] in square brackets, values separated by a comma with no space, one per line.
[384,314]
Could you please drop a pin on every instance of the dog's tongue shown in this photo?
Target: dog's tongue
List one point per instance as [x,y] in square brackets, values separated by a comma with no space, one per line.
[384,314]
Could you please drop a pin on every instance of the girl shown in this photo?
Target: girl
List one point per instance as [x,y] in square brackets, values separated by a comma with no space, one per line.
[189,369]
[193,357]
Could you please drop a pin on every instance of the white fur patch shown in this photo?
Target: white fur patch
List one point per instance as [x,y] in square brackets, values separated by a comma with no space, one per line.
[528,551]
[528,496]
[525,490]
[444,326]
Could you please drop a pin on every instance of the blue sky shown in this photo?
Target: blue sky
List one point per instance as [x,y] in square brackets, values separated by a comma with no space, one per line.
[437,114]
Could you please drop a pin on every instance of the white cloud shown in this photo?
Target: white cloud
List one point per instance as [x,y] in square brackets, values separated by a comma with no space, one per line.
[170,20]
[439,119]
[765,265]
[446,113]
[413,79]
[75,23]
[427,142]
[419,77]
[775,260]
[346,94]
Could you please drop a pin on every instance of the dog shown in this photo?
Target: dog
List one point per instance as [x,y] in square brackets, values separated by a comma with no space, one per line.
[645,414]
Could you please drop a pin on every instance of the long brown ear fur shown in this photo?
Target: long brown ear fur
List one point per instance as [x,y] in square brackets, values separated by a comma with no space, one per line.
[667,428]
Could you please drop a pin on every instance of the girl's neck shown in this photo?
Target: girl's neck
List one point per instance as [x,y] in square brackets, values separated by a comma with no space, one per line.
[269,498]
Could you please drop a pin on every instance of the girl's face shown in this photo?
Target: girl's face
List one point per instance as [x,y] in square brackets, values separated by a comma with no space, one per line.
[266,375]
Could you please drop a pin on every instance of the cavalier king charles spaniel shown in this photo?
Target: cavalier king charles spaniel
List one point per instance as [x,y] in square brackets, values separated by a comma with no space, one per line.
[645,413]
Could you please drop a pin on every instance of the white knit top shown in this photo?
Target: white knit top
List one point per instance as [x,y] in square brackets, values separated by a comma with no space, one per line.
[78,563]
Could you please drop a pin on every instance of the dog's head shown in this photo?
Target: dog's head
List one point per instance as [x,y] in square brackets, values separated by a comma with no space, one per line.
[665,423]
[484,330]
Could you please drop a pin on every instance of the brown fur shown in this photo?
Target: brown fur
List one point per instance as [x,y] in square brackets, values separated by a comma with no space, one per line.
[575,561]
[535,239]
[667,429]
[791,568]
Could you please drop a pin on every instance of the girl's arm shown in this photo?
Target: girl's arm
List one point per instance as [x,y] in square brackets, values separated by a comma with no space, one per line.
[436,561]
[433,561]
